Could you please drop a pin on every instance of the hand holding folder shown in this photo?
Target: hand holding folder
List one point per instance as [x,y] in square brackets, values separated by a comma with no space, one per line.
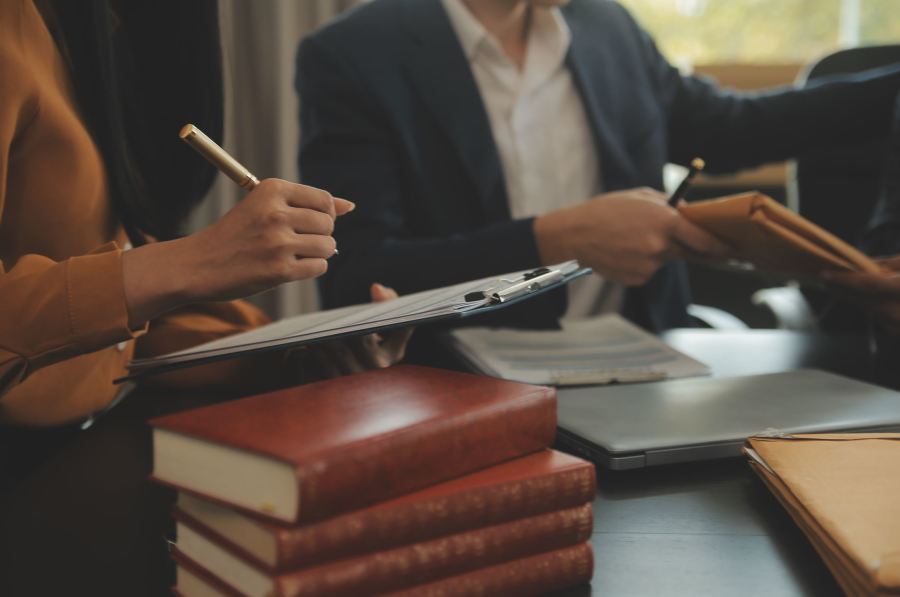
[878,293]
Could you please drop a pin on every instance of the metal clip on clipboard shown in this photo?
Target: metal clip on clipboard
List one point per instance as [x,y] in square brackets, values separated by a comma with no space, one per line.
[529,282]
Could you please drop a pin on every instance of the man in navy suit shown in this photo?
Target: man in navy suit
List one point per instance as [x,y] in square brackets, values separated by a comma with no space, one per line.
[484,136]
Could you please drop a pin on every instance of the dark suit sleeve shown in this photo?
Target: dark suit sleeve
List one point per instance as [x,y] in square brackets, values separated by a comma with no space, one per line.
[352,148]
[733,130]
[883,236]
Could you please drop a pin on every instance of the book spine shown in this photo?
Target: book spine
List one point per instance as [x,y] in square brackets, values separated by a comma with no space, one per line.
[455,554]
[371,472]
[410,522]
[536,575]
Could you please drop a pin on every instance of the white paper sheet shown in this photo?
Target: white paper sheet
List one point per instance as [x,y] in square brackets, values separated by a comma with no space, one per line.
[593,351]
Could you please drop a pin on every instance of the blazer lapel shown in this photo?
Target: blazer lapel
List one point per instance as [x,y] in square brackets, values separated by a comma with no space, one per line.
[590,62]
[441,74]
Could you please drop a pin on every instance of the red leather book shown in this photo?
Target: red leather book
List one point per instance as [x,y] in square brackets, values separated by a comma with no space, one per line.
[536,575]
[313,451]
[527,486]
[397,568]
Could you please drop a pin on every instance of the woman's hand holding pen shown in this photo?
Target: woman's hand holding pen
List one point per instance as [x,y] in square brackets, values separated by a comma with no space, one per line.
[279,233]
[625,236]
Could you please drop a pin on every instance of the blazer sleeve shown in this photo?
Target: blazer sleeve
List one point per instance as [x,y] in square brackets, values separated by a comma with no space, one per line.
[733,130]
[350,147]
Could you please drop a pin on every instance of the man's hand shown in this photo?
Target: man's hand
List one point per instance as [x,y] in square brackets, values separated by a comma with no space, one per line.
[878,293]
[625,236]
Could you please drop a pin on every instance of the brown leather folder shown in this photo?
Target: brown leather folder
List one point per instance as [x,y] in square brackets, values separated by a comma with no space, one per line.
[773,238]
[843,491]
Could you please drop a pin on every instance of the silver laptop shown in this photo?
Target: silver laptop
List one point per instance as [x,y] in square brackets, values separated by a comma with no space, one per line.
[633,426]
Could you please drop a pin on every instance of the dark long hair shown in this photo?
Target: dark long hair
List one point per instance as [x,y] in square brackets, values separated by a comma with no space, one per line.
[141,69]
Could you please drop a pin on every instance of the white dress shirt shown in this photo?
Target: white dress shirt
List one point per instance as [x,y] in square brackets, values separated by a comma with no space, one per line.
[540,128]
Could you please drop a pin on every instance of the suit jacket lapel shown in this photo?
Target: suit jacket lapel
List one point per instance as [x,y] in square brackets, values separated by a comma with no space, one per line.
[441,74]
[590,61]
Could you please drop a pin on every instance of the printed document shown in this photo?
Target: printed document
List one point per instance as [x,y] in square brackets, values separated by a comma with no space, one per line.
[599,350]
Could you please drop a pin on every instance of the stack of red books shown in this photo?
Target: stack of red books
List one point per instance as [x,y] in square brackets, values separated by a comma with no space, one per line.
[402,481]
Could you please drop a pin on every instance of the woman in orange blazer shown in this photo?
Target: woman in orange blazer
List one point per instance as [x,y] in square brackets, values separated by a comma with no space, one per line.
[92,95]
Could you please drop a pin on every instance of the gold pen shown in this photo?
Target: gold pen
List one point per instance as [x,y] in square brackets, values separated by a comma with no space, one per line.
[218,157]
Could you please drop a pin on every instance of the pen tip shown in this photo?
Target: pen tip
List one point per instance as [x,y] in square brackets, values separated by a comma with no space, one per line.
[698,164]
[186,130]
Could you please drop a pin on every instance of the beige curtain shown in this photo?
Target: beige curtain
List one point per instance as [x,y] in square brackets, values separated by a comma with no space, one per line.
[259,39]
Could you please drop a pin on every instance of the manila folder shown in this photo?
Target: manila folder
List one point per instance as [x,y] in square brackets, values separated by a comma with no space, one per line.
[774,238]
[843,491]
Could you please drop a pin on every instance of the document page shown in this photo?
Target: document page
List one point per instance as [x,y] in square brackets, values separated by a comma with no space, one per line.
[599,350]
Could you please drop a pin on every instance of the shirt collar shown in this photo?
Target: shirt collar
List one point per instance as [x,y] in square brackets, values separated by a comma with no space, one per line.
[469,31]
[549,28]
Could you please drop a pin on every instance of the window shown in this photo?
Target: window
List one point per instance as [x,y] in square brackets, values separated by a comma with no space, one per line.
[764,31]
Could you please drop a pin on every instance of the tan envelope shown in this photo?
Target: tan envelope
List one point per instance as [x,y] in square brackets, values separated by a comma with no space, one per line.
[843,491]
[772,237]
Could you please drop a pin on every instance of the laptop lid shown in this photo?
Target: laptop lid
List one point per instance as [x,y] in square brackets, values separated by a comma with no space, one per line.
[632,426]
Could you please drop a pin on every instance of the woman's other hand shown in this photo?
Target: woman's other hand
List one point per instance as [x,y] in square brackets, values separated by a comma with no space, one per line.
[373,351]
[878,293]
[280,232]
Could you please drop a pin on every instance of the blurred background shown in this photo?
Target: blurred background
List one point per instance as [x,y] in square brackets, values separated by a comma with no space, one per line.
[744,44]
[764,32]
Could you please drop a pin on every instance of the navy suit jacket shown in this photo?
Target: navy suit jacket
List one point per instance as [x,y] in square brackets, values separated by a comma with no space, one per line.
[391,118]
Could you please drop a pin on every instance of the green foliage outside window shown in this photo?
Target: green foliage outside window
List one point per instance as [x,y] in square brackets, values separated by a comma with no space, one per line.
[761,31]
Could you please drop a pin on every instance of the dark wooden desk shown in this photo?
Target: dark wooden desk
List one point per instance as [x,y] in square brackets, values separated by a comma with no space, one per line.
[88,521]
[713,528]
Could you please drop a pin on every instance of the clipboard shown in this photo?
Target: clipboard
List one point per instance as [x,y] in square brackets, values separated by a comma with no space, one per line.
[444,304]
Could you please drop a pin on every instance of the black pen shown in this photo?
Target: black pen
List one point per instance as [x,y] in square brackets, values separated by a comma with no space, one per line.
[697,165]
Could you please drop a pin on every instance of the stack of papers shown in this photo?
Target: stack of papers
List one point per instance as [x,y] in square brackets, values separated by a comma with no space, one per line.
[604,349]
[843,491]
